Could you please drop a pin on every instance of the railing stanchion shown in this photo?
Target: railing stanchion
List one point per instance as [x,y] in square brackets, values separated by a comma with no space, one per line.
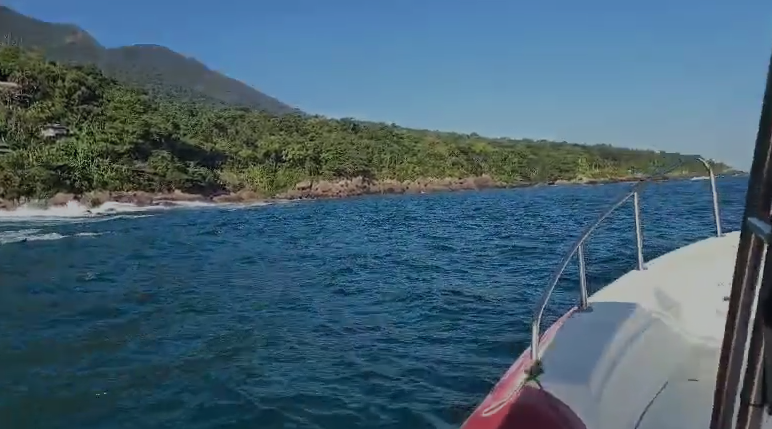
[578,249]
[716,212]
[535,339]
[582,278]
[638,234]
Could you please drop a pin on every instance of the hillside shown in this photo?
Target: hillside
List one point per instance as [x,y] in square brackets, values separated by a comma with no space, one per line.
[156,69]
[123,140]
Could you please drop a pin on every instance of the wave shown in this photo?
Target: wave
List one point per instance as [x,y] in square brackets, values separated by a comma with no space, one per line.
[72,209]
[75,210]
[39,214]
[88,234]
[24,235]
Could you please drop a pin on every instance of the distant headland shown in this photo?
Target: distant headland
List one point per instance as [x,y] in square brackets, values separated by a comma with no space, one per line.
[70,131]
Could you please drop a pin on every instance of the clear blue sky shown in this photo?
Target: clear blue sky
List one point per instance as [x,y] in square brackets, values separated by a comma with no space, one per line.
[678,75]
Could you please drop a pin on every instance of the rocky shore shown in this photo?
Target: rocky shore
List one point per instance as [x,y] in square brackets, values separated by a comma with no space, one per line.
[305,190]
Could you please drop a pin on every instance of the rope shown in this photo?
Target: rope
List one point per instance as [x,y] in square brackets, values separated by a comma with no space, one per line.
[534,372]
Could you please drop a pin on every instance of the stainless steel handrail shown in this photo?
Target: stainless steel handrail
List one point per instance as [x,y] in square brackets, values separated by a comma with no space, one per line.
[716,213]
[578,249]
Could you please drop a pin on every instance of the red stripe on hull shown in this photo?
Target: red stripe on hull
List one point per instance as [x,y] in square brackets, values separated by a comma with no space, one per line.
[511,404]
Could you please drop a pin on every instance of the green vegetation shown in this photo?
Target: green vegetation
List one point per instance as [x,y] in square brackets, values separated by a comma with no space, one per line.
[123,139]
[156,69]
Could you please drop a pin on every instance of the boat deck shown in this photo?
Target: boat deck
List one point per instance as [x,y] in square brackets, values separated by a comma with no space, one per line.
[645,355]
[687,398]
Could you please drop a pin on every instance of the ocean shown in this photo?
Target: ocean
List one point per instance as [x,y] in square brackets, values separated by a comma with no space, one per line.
[397,311]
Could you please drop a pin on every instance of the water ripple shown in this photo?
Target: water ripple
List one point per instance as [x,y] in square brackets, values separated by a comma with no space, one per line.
[378,312]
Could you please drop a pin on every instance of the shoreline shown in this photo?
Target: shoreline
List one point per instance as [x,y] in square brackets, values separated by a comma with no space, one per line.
[307,190]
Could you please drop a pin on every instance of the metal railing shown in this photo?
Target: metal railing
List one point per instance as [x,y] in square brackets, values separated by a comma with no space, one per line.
[750,285]
[578,250]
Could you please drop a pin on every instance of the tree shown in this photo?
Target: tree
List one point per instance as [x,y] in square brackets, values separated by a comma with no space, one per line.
[124,139]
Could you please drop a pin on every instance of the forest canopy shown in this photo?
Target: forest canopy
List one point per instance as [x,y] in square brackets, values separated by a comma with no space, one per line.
[123,139]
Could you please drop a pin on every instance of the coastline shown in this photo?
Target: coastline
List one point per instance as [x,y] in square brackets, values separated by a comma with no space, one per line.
[322,189]
[140,142]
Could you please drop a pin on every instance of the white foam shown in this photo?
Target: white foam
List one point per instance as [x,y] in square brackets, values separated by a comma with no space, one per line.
[31,210]
[88,234]
[193,204]
[34,211]
[113,207]
[26,235]
[75,210]
[22,235]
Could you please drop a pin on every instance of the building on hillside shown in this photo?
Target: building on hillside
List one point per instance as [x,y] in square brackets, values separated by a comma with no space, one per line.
[4,147]
[9,92]
[54,131]
[8,86]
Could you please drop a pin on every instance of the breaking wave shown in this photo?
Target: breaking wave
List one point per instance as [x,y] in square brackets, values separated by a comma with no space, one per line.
[24,235]
[72,210]
[75,210]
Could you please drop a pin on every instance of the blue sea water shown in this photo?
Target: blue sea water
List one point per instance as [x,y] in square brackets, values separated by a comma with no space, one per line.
[374,312]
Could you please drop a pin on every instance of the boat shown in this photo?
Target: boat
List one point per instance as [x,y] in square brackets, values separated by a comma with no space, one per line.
[664,346]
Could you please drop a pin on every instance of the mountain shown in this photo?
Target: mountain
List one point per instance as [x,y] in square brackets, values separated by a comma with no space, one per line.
[157,69]
[121,140]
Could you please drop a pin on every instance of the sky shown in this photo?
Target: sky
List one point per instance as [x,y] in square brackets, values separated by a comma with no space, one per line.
[674,75]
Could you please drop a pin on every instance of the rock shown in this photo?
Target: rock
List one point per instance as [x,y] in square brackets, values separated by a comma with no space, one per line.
[484,181]
[61,199]
[178,195]
[322,188]
[359,182]
[242,196]
[292,194]
[96,198]
[227,198]
[304,185]
[339,188]
[7,205]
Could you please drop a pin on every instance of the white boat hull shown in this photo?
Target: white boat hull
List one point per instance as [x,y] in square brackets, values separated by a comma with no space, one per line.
[644,356]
